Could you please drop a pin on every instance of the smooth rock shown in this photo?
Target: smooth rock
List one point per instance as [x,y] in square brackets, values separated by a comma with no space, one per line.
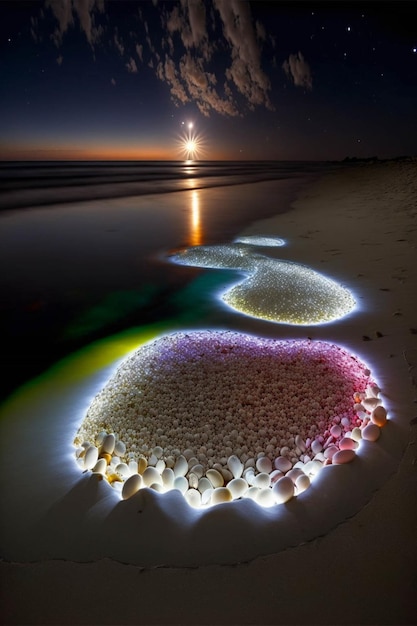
[336,431]
[193,480]
[108,444]
[302,483]
[235,466]
[264,465]
[379,416]
[181,483]
[356,434]
[283,464]
[238,487]
[215,478]
[316,447]
[123,470]
[330,452]
[132,485]
[294,473]
[198,470]
[100,467]
[221,494]
[151,475]
[265,497]
[206,495]
[371,432]
[370,403]
[262,480]
[168,478]
[283,490]
[119,448]
[181,466]
[343,456]
[348,444]
[90,457]
[204,484]
[142,465]
[276,475]
[193,498]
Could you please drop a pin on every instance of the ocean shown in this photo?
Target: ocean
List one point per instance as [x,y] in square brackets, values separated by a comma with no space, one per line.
[84,245]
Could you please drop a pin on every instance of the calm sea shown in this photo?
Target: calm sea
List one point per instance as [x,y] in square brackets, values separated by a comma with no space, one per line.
[83,246]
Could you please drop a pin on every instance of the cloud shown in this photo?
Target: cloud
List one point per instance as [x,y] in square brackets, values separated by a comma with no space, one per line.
[118,43]
[59,59]
[139,52]
[298,70]
[245,70]
[207,52]
[113,82]
[131,66]
[84,10]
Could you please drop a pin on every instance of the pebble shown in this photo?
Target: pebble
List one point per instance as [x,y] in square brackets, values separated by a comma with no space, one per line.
[181,483]
[168,478]
[356,434]
[215,478]
[283,464]
[181,466]
[238,487]
[262,480]
[343,456]
[371,432]
[119,448]
[108,444]
[100,467]
[379,416]
[151,476]
[131,486]
[122,469]
[348,444]
[265,497]
[221,494]
[235,466]
[204,484]
[302,483]
[193,498]
[283,490]
[336,431]
[264,464]
[90,457]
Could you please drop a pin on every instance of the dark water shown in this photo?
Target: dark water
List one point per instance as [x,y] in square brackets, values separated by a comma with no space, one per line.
[73,271]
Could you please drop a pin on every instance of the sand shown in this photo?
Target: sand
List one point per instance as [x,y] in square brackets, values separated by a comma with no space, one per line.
[358,226]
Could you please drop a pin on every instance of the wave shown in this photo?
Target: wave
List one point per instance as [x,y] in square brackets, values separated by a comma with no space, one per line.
[26,184]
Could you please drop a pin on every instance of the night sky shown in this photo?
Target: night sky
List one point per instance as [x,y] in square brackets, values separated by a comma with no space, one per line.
[90,79]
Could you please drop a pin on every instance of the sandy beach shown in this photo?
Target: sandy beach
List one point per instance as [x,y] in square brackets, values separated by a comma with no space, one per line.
[357,225]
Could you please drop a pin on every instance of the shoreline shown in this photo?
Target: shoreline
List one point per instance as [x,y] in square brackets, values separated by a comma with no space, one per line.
[373,253]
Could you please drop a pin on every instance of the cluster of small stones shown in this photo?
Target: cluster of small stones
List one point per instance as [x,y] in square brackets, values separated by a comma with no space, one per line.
[274,290]
[221,416]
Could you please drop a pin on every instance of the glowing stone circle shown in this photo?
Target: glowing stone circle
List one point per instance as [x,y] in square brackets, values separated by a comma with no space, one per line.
[202,411]
[274,290]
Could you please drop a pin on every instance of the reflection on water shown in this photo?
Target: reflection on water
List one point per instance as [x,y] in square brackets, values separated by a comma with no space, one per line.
[196,229]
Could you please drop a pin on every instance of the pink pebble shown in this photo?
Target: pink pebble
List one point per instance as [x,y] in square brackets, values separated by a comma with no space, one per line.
[371,432]
[294,474]
[343,456]
[275,475]
[348,444]
[283,464]
[345,421]
[330,452]
[336,431]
